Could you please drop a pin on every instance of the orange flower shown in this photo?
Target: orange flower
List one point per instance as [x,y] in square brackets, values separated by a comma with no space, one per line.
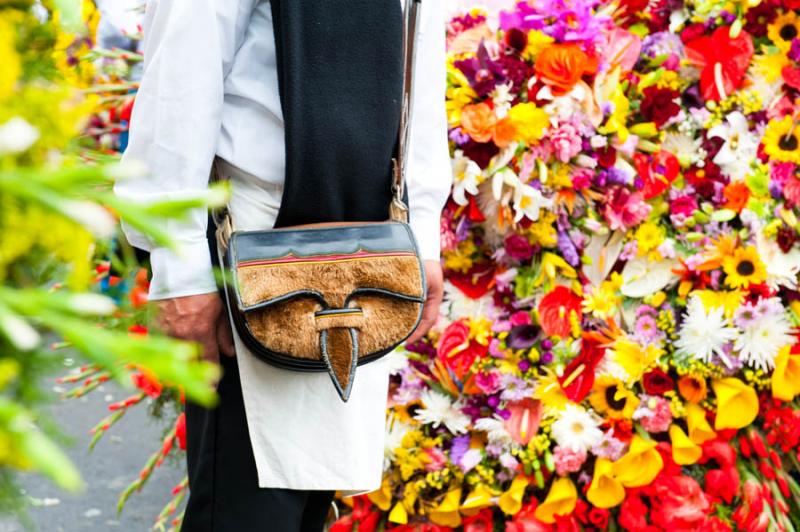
[737,195]
[692,388]
[478,121]
[562,65]
[504,132]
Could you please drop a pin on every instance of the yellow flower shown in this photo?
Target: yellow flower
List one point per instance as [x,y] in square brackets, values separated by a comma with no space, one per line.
[549,392]
[744,268]
[560,500]
[553,266]
[12,67]
[529,122]
[382,497]
[769,66]
[605,491]
[648,237]
[634,358]
[537,41]
[640,465]
[737,403]
[446,512]
[782,140]
[693,388]
[398,514]
[602,301]
[480,497]
[543,231]
[729,300]
[699,429]
[783,30]
[610,397]
[684,450]
[511,500]
[786,377]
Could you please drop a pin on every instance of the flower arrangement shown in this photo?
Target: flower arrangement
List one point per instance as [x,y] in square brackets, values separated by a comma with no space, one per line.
[619,342]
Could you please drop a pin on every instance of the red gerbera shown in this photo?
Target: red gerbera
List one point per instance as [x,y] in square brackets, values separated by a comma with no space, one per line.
[555,310]
[724,61]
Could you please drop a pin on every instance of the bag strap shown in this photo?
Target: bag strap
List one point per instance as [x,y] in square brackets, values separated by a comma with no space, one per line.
[398,209]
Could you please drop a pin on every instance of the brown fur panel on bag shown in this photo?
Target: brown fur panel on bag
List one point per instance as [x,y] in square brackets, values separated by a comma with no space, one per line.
[334,280]
[340,353]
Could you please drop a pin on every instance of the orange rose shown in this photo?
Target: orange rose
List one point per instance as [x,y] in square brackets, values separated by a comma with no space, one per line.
[737,195]
[478,121]
[562,65]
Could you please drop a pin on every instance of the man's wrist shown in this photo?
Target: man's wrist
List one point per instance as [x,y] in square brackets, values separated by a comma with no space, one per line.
[186,272]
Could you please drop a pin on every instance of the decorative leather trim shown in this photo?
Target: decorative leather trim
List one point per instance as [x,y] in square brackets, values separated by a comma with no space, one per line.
[344,392]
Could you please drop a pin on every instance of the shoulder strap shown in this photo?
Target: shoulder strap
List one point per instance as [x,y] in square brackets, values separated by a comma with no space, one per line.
[398,209]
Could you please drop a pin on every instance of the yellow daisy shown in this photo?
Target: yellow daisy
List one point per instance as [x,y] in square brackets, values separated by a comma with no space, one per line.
[744,268]
[783,30]
[782,140]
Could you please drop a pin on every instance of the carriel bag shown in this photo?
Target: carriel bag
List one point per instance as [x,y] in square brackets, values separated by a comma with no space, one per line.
[330,296]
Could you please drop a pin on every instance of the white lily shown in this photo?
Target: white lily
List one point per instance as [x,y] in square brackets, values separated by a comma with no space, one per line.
[740,145]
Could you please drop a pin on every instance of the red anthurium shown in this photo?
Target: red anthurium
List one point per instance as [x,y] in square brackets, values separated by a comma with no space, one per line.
[474,212]
[791,76]
[724,61]
[657,171]
[578,377]
[523,423]
[555,310]
[476,282]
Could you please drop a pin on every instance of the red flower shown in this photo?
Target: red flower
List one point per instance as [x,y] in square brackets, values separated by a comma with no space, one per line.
[525,520]
[659,105]
[476,282]
[657,382]
[598,517]
[146,383]
[480,522]
[180,431]
[456,349]
[680,504]
[724,61]
[658,172]
[723,483]
[578,377]
[555,310]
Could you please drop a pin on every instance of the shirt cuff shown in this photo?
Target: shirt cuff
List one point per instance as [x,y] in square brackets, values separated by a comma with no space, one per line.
[426,230]
[187,272]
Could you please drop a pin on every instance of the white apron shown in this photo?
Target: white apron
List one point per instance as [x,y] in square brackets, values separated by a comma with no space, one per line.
[303,436]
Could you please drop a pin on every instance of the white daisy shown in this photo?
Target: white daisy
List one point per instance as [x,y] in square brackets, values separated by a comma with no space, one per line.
[439,410]
[740,146]
[576,429]
[759,343]
[704,333]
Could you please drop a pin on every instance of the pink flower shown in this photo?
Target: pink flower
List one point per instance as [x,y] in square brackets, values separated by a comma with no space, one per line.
[781,172]
[567,460]
[653,414]
[791,191]
[566,142]
[488,383]
[520,318]
[683,206]
[438,460]
[581,178]
[624,209]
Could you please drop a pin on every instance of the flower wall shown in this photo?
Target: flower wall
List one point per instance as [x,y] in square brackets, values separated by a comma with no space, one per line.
[618,346]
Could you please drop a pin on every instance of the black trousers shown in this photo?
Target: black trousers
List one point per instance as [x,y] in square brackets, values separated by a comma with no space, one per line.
[223,483]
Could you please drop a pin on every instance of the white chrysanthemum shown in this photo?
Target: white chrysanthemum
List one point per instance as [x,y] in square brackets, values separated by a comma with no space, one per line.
[704,333]
[457,305]
[395,431]
[396,361]
[495,430]
[739,150]
[782,268]
[576,429]
[440,410]
[687,146]
[759,343]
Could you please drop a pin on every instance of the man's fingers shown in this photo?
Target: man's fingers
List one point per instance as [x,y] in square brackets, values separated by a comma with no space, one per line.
[225,337]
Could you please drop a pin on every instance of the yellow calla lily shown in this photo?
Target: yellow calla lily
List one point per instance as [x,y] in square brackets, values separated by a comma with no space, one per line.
[560,500]
[605,491]
[737,403]
[684,450]
[511,500]
[398,515]
[446,513]
[382,497]
[699,429]
[640,465]
[481,497]
[786,377]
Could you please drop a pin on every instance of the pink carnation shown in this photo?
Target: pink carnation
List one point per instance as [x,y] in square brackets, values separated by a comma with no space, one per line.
[624,209]
[653,414]
[566,142]
[568,460]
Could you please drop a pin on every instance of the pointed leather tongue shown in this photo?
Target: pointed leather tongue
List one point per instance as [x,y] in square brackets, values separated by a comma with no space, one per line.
[340,352]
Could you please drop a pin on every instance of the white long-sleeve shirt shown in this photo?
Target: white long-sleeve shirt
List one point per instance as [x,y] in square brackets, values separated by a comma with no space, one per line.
[210,86]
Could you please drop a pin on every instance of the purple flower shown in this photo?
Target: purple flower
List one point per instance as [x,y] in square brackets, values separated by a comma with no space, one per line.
[522,337]
[567,249]
[483,73]
[517,247]
[459,448]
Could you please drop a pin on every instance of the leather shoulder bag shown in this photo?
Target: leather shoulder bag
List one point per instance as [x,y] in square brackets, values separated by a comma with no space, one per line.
[330,297]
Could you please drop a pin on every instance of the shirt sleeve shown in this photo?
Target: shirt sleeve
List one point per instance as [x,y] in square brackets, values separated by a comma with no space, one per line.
[189,46]
[429,171]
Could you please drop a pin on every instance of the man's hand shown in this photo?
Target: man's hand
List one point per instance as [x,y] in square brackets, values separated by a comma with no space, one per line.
[201,319]
[430,313]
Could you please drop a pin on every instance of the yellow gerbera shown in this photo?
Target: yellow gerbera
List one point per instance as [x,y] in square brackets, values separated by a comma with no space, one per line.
[782,140]
[648,237]
[610,397]
[783,30]
[744,268]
